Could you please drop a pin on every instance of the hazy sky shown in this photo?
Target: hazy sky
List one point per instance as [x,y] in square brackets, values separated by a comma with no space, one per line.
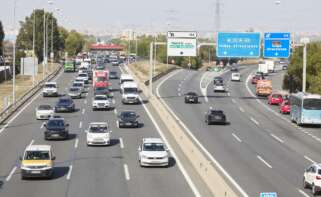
[199,15]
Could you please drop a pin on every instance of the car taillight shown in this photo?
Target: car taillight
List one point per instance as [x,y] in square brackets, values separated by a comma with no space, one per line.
[318,177]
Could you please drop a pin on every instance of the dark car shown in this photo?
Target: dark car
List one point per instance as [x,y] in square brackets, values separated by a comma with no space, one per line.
[56,128]
[218,80]
[191,97]
[113,75]
[215,117]
[234,69]
[128,119]
[102,91]
[65,104]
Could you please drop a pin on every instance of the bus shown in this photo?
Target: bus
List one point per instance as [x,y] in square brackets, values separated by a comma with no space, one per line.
[305,108]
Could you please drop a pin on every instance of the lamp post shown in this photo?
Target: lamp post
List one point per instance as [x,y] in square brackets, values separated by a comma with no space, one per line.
[33,46]
[14,56]
[304,41]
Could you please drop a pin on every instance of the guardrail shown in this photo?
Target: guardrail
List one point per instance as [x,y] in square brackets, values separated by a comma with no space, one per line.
[7,112]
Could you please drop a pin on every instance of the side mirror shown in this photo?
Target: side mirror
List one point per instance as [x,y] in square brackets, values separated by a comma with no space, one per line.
[45,125]
[53,158]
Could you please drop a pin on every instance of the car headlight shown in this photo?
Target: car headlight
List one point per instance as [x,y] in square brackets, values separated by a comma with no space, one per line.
[144,157]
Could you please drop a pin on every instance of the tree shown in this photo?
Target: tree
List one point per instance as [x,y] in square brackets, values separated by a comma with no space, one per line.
[25,36]
[1,38]
[74,43]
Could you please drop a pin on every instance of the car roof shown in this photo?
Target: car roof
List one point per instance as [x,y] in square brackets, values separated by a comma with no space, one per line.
[98,123]
[38,148]
[100,95]
[130,84]
[152,140]
[51,83]
[126,76]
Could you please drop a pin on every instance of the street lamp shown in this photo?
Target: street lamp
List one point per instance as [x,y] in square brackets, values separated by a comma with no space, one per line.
[304,41]
[14,56]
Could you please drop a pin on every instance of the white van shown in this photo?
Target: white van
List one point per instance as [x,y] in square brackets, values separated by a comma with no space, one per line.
[236,77]
[125,77]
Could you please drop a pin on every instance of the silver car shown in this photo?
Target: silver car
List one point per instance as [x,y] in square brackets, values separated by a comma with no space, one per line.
[75,92]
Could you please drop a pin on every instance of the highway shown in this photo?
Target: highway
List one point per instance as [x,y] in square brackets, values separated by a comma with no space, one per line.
[258,149]
[81,170]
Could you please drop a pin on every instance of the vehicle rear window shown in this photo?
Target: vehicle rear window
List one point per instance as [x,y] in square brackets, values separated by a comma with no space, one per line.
[50,86]
[153,147]
[276,95]
[98,129]
[55,123]
[312,104]
[45,107]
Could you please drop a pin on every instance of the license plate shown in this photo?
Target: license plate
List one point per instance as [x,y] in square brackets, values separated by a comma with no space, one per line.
[35,172]
[128,124]
[55,135]
[191,99]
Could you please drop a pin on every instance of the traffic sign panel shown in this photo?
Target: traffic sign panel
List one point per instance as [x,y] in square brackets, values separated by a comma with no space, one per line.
[277,45]
[268,194]
[238,45]
[182,44]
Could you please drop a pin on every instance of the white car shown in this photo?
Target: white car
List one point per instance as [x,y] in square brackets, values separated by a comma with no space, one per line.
[101,102]
[312,178]
[44,112]
[98,133]
[84,77]
[153,152]
[80,85]
[50,89]
[236,76]
[219,87]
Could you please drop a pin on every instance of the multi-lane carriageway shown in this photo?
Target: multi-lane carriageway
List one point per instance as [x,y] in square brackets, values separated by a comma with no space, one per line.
[81,170]
[259,149]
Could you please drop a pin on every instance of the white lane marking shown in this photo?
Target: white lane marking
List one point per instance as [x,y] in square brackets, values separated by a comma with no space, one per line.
[31,143]
[303,193]
[277,138]
[85,101]
[80,124]
[87,94]
[178,90]
[114,102]
[208,154]
[127,176]
[115,111]
[309,159]
[11,173]
[83,111]
[76,143]
[233,101]
[241,109]
[255,121]
[121,143]
[236,137]
[228,94]
[180,85]
[263,161]
[42,126]
[179,94]
[69,172]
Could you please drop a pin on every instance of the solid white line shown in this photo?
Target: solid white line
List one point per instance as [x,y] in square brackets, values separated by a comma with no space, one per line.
[236,137]
[114,101]
[241,109]
[115,111]
[204,90]
[83,111]
[255,121]
[234,101]
[262,160]
[11,173]
[309,159]
[303,193]
[80,124]
[126,172]
[277,138]
[208,154]
[121,143]
[32,141]
[69,172]
[76,143]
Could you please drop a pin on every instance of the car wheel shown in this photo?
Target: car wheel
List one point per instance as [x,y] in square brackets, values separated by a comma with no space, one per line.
[305,184]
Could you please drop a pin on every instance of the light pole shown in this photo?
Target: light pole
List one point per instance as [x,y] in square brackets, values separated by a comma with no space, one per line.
[304,41]
[14,56]
[44,45]
[33,46]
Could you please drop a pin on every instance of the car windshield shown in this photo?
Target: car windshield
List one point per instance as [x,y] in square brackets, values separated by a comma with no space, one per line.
[153,147]
[101,89]
[287,103]
[101,79]
[74,89]
[50,86]
[113,73]
[77,84]
[125,80]
[128,114]
[37,155]
[216,112]
[130,90]
[65,101]
[100,98]
[276,95]
[55,123]
[82,75]
[98,129]
[191,94]
[312,104]
[44,107]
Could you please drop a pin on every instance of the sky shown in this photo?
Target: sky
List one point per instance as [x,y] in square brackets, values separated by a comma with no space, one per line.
[102,16]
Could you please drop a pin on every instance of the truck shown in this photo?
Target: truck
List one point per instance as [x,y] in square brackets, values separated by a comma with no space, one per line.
[69,66]
[263,68]
[100,78]
[263,87]
[271,65]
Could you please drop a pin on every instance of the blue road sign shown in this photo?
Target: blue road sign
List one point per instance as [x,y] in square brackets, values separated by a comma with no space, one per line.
[238,45]
[277,45]
[268,194]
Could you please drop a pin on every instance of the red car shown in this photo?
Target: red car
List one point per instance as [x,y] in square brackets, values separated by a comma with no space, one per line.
[285,107]
[275,99]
